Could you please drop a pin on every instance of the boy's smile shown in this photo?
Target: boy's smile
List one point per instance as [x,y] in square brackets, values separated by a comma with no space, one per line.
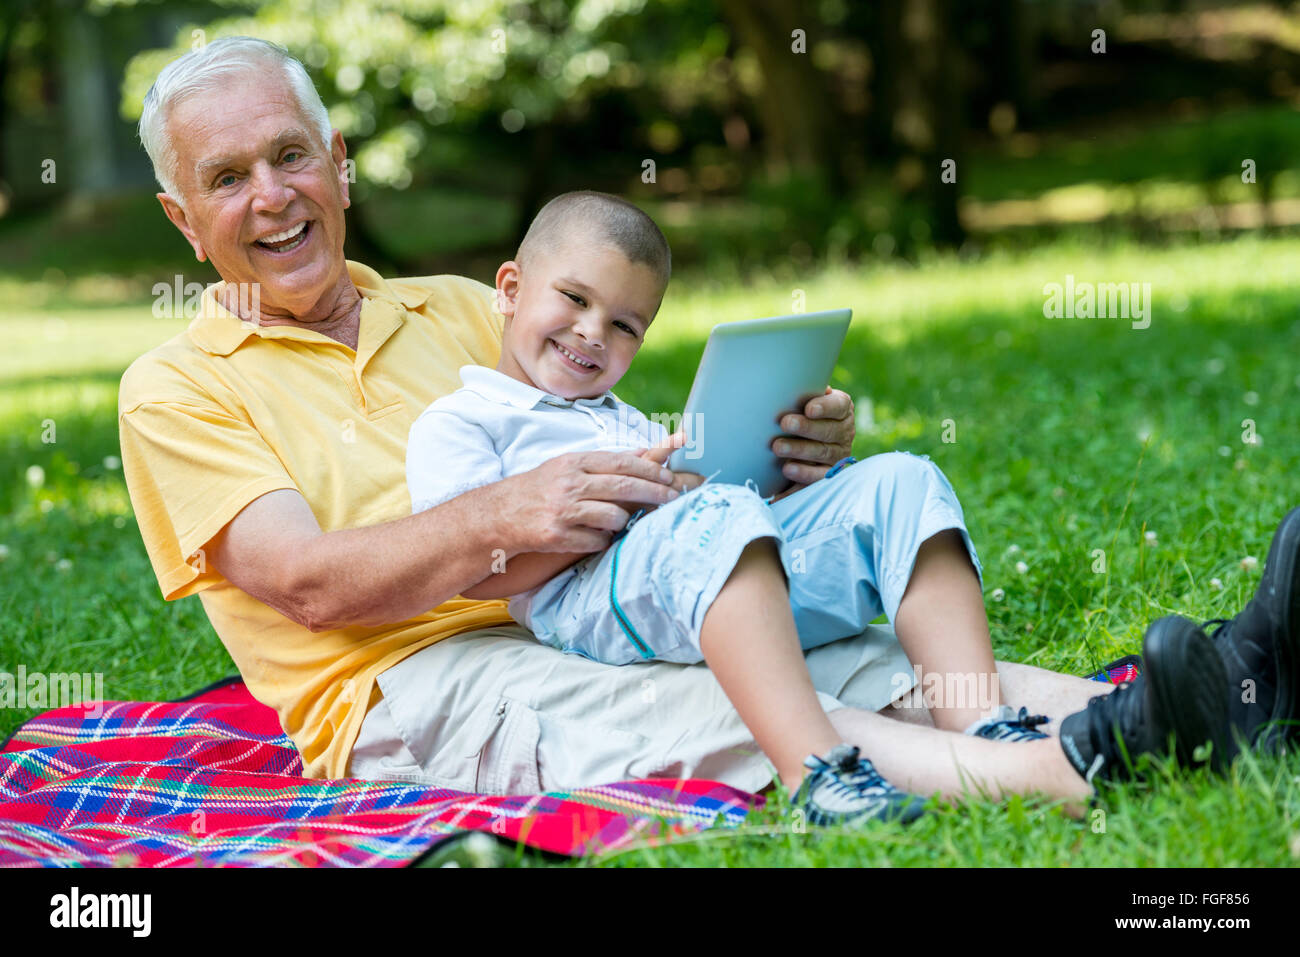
[575,318]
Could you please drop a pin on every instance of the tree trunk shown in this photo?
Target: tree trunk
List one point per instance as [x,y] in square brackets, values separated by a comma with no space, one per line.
[794,105]
[537,180]
[884,41]
[929,120]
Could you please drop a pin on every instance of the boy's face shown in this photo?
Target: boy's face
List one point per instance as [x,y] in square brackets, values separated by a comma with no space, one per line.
[575,317]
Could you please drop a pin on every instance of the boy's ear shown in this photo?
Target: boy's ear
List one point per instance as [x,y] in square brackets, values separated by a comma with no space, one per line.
[507,288]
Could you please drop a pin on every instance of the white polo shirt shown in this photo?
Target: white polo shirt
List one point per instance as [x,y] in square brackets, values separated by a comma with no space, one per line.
[495,426]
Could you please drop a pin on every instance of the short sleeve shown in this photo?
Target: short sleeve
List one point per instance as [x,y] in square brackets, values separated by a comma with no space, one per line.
[190,468]
[447,456]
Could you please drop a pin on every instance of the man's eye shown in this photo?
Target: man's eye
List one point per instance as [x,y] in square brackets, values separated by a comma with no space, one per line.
[292,156]
[576,298]
[227,179]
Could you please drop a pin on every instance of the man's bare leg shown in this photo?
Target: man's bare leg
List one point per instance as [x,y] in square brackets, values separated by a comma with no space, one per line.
[1043,692]
[1046,692]
[924,761]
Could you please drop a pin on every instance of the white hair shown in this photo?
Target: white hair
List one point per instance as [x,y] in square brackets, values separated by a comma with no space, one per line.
[205,69]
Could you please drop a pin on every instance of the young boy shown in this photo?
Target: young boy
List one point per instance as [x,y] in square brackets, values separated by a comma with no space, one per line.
[711,575]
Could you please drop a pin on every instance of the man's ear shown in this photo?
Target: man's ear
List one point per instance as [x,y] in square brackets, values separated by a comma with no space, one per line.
[507,288]
[339,153]
[177,215]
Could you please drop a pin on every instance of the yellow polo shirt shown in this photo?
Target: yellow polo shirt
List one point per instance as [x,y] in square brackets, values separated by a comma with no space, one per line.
[228,411]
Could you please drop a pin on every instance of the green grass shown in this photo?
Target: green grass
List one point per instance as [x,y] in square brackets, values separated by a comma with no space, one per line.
[1071,436]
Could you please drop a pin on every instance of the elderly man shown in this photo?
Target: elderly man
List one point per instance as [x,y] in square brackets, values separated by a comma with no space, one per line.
[264,452]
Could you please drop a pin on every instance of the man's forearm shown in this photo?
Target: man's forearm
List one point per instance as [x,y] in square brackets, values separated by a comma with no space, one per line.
[400,569]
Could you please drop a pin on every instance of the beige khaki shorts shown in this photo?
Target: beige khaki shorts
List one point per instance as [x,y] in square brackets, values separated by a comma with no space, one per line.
[496,712]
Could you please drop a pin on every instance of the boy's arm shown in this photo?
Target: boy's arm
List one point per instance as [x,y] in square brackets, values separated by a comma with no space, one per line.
[522,573]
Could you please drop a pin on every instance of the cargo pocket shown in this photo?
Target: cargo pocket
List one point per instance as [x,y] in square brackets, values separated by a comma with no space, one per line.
[507,762]
[576,753]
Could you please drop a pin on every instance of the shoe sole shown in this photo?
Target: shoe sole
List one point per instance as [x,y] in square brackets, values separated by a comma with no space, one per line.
[1282,570]
[903,812]
[1186,680]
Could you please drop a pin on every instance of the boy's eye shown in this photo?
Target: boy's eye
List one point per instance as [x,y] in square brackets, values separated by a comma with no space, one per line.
[576,298]
[625,327]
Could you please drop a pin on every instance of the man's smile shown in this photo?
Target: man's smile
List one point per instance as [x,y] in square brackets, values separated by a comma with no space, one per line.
[286,240]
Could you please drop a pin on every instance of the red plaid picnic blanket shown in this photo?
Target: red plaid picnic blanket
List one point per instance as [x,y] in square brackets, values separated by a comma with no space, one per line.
[211,780]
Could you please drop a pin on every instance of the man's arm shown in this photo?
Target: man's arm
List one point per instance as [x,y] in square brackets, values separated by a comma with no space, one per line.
[532,569]
[275,550]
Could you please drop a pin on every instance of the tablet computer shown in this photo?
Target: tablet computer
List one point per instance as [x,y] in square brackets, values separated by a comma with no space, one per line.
[752,373]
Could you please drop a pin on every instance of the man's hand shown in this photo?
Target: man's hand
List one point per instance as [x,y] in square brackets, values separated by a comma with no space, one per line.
[815,440]
[567,508]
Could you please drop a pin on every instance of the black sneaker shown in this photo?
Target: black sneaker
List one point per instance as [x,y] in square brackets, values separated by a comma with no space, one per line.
[1181,693]
[1260,648]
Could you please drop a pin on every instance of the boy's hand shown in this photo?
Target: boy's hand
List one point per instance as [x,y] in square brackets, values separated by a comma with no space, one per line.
[815,440]
[659,454]
[682,481]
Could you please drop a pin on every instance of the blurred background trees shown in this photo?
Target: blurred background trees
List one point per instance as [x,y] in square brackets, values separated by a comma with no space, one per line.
[760,132]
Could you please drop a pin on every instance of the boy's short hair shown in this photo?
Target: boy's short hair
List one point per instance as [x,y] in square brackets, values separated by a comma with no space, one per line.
[619,223]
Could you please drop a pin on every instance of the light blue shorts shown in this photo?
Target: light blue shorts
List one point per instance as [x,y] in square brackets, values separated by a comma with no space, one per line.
[847,543]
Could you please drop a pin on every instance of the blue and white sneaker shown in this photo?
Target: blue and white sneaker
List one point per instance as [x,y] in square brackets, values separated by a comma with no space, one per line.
[845,788]
[1005,724]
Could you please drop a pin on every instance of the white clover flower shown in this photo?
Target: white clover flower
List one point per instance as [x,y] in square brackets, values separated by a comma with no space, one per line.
[1251,398]
[1249,563]
[997,594]
[1150,538]
[1021,567]
[112,463]
[1216,585]
[63,564]
[35,476]
[4,552]
[1013,549]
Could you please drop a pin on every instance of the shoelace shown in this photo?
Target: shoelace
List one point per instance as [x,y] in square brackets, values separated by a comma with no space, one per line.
[1221,622]
[1109,715]
[1023,726]
[855,774]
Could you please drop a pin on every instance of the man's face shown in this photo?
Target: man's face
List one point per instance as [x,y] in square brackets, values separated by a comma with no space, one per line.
[250,169]
[576,316]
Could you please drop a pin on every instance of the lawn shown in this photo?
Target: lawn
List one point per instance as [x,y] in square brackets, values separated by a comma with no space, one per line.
[1130,473]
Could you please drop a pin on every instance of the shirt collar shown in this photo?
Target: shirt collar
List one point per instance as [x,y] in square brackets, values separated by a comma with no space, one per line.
[499,387]
[220,332]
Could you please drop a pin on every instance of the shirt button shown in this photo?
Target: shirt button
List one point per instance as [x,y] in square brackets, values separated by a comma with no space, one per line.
[501,709]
